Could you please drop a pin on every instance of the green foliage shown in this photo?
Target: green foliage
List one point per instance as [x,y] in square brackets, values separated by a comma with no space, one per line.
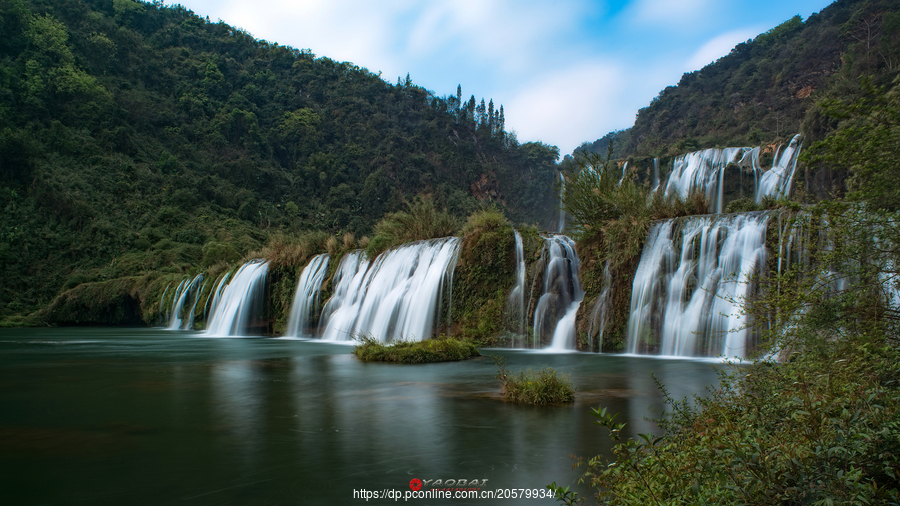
[865,143]
[484,275]
[440,349]
[530,387]
[421,220]
[818,430]
[125,123]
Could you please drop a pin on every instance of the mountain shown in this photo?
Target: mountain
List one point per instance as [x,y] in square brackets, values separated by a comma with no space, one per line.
[137,137]
[771,87]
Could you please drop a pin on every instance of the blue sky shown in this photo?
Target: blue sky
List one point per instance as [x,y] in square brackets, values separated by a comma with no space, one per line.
[566,71]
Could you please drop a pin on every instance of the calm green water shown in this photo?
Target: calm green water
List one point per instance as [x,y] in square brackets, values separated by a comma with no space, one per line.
[147,416]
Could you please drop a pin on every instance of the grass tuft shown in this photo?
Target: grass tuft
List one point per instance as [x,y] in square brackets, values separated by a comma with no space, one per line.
[530,387]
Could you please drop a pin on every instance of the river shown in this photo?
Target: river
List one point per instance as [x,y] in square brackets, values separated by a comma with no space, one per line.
[150,416]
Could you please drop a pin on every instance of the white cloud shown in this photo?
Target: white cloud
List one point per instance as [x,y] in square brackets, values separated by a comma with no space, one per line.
[672,12]
[718,47]
[565,108]
[509,36]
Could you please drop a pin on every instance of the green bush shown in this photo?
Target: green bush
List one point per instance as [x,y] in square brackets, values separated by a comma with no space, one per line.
[421,220]
[415,352]
[530,387]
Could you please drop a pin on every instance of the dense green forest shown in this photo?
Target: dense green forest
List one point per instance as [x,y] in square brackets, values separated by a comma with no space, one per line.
[139,137]
[771,87]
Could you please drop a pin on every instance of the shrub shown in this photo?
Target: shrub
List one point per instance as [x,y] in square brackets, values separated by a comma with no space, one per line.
[444,349]
[421,220]
[530,387]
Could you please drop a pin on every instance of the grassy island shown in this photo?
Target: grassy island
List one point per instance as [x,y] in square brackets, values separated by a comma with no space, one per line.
[534,387]
[415,352]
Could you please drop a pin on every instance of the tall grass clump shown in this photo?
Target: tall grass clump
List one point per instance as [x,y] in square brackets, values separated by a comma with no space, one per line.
[420,220]
[284,251]
[440,349]
[534,387]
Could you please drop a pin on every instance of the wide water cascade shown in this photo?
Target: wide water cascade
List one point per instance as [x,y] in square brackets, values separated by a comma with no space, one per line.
[396,296]
[692,277]
[561,295]
[239,301]
[186,290]
[705,171]
[306,299]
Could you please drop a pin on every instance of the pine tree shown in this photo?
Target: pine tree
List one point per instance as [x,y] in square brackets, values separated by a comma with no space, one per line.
[490,115]
[480,118]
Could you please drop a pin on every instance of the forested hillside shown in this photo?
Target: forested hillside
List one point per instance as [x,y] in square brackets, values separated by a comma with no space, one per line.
[138,137]
[771,87]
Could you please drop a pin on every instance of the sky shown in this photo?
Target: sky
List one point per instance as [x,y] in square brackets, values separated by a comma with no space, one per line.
[565,71]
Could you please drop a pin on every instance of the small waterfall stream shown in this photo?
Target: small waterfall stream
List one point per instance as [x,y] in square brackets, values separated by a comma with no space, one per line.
[306,299]
[555,311]
[239,301]
[185,291]
[515,305]
[777,181]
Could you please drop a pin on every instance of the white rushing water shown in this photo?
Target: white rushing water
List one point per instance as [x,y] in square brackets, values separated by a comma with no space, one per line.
[600,312]
[185,291]
[306,299]
[515,305]
[692,277]
[235,306]
[397,296]
[777,181]
[705,171]
[347,293]
[561,294]
[212,300]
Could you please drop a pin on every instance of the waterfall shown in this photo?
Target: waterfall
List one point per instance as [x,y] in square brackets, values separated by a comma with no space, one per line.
[624,173]
[777,181]
[561,295]
[397,296]
[347,293]
[214,295]
[306,299]
[692,277]
[600,313]
[705,171]
[162,301]
[515,305]
[184,292]
[239,300]
[654,183]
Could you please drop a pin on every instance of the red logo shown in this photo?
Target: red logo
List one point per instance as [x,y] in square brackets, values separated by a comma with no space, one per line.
[415,484]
